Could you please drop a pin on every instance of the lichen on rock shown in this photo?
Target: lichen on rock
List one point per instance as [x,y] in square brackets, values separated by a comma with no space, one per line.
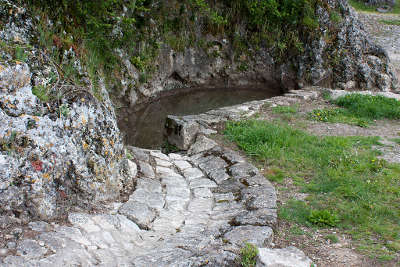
[56,153]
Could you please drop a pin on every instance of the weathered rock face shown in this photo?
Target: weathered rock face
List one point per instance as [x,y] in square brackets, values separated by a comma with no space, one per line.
[341,55]
[52,154]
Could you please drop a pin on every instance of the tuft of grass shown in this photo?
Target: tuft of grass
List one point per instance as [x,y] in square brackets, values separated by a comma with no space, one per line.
[342,175]
[323,218]
[370,107]
[295,211]
[295,230]
[20,54]
[284,109]
[275,174]
[332,238]
[358,109]
[395,22]
[167,148]
[41,92]
[248,255]
[337,115]
[396,140]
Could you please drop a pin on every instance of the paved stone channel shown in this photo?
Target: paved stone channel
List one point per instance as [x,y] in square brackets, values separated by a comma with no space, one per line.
[194,209]
[186,210]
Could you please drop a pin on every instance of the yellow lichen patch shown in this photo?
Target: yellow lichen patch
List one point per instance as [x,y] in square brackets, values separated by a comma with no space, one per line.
[83,119]
[106,152]
[82,99]
[112,142]
[18,62]
[1,68]
[84,145]
[46,176]
[104,141]
[35,118]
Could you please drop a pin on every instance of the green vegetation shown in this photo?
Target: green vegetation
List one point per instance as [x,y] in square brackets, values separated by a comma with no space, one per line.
[323,218]
[361,6]
[167,148]
[95,30]
[295,230]
[348,186]
[248,255]
[64,110]
[396,140]
[284,109]
[128,155]
[337,115]
[20,54]
[332,238]
[391,22]
[358,109]
[41,92]
[370,107]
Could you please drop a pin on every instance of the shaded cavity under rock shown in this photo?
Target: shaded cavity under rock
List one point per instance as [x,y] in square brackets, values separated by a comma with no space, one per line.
[143,125]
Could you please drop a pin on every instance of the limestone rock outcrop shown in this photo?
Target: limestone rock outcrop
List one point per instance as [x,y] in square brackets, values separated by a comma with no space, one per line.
[54,154]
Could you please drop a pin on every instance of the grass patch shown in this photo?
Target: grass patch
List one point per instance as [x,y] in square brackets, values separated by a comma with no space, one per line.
[275,174]
[337,115]
[284,109]
[248,255]
[361,6]
[332,238]
[370,107]
[396,140]
[295,230]
[347,185]
[358,109]
[395,22]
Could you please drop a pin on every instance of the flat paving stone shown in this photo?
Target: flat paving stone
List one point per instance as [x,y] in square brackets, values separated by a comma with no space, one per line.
[283,257]
[146,169]
[259,236]
[139,213]
[175,156]
[202,182]
[202,192]
[200,205]
[192,173]
[159,155]
[163,163]
[182,164]
[163,171]
[149,185]
[153,200]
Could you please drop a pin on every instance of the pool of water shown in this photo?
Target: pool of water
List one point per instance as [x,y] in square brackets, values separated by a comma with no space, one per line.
[143,126]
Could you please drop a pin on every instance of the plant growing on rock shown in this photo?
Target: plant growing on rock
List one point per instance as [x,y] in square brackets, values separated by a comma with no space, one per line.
[248,255]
